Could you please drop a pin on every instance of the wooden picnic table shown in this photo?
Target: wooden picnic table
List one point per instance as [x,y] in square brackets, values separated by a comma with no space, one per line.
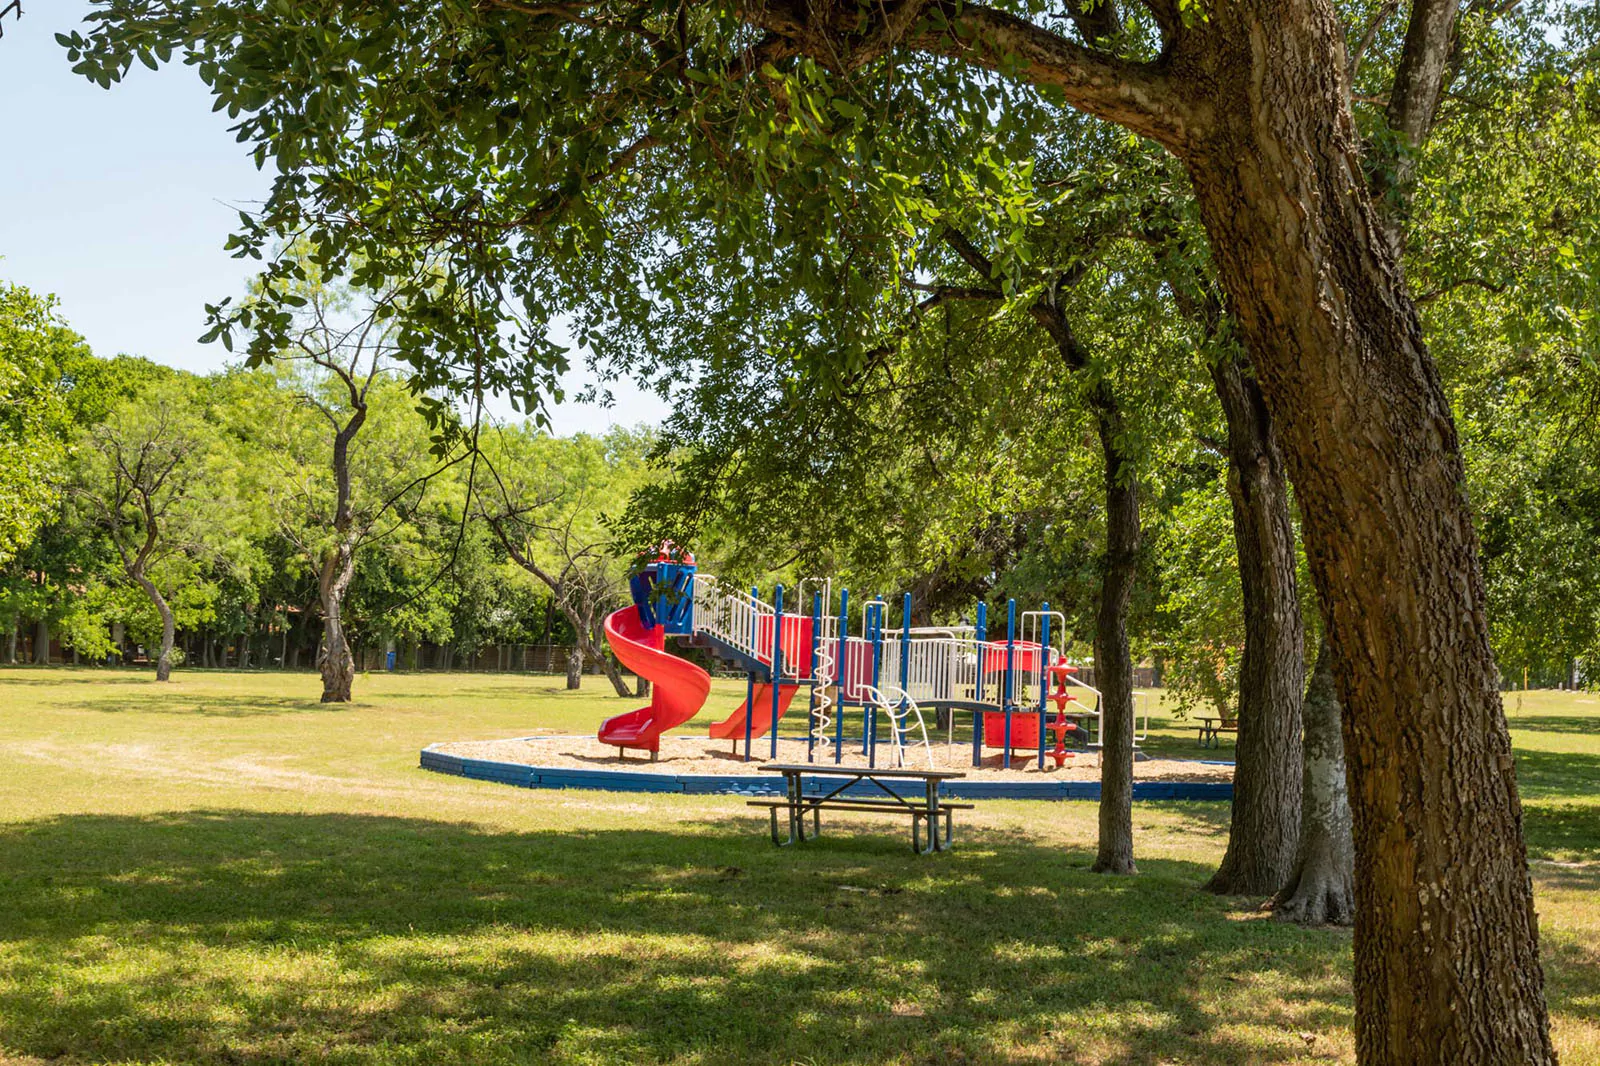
[928,807]
[1211,730]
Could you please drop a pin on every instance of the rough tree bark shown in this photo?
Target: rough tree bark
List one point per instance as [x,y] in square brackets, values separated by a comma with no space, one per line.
[41,642]
[575,666]
[1444,897]
[1113,660]
[1266,782]
[1321,888]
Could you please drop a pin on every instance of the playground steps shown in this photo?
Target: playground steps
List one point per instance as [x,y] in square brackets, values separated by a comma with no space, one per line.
[734,657]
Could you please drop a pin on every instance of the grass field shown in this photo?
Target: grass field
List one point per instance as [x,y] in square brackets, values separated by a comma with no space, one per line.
[223,870]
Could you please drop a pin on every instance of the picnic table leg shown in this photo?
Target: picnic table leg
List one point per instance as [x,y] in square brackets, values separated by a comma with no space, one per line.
[797,820]
[934,843]
[773,811]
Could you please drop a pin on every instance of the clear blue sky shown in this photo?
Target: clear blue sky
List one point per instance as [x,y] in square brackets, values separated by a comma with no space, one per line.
[119,202]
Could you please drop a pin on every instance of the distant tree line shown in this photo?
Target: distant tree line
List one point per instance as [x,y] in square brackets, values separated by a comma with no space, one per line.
[145,507]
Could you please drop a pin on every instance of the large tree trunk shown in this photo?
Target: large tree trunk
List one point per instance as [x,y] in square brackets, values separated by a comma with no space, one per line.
[1446,946]
[41,642]
[168,626]
[575,667]
[1321,888]
[1113,661]
[334,657]
[1266,778]
[337,664]
[11,644]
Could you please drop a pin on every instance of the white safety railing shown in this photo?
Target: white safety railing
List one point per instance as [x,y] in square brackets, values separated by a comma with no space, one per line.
[733,616]
[750,625]
[941,663]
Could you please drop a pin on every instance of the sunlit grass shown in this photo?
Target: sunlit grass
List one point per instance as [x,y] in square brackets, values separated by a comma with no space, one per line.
[225,870]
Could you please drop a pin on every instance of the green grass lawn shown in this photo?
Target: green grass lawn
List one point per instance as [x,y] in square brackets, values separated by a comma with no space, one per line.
[223,870]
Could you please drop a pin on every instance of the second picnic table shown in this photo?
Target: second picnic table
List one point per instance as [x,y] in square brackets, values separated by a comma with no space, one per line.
[927,808]
[1211,730]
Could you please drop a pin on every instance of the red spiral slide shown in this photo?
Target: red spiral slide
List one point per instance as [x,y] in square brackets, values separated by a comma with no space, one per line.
[678,688]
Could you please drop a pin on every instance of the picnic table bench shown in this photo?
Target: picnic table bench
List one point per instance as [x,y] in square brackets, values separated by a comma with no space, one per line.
[929,807]
[1211,730]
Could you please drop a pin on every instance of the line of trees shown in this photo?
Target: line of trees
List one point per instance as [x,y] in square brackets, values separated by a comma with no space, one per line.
[283,515]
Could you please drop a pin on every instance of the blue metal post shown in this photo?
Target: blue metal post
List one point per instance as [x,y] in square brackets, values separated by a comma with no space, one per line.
[749,698]
[811,672]
[877,666]
[1044,673]
[777,662]
[1008,691]
[838,675]
[867,617]
[905,664]
[750,689]
[977,691]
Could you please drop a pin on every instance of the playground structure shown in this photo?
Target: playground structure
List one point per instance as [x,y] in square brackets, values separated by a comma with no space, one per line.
[1020,691]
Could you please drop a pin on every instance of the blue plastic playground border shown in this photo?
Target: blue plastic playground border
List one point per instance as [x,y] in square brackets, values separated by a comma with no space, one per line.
[524,776]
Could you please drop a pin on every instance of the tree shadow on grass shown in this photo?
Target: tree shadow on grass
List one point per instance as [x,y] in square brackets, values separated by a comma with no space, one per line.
[1556,723]
[534,685]
[17,674]
[234,936]
[1556,775]
[1562,830]
[254,705]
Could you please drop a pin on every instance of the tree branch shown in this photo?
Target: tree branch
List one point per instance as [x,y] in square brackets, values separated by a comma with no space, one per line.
[1135,95]
[1378,19]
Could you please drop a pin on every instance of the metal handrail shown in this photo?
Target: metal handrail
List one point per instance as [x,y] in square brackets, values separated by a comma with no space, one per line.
[901,707]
